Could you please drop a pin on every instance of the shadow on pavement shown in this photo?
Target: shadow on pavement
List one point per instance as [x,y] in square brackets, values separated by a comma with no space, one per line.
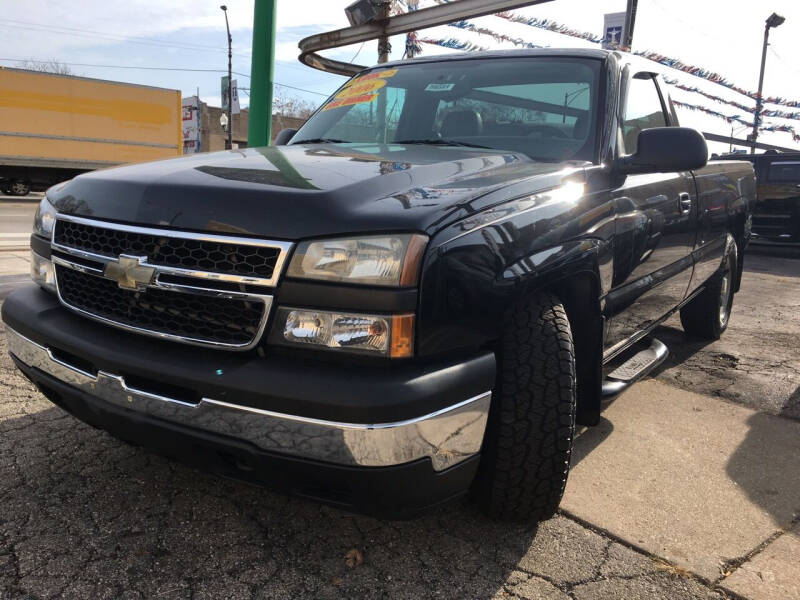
[590,438]
[80,510]
[766,465]
[761,251]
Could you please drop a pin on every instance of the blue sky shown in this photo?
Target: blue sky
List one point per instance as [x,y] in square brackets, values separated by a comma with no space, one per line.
[191,34]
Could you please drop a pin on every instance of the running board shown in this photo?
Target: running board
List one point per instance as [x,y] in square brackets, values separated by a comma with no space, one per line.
[636,367]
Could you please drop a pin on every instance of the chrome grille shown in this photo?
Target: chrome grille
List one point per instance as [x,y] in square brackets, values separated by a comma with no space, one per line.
[190,302]
[183,252]
[219,320]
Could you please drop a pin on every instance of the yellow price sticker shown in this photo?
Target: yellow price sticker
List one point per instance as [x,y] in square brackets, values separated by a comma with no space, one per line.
[361,88]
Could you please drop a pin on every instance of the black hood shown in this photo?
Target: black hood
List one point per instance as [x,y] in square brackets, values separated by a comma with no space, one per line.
[301,191]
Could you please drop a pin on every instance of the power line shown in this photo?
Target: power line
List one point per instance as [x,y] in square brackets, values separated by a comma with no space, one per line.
[13,24]
[291,87]
[144,68]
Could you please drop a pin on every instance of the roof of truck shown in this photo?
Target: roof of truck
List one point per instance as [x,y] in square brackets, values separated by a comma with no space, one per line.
[639,62]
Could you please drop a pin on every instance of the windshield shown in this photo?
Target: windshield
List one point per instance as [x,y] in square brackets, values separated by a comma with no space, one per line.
[541,106]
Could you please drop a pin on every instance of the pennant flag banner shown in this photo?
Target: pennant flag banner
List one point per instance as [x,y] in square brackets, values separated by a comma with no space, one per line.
[782,128]
[454,44]
[667,61]
[412,39]
[549,25]
[738,119]
[500,37]
[781,114]
[696,90]
[708,111]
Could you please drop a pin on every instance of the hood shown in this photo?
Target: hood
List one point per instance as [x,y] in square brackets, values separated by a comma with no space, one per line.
[303,191]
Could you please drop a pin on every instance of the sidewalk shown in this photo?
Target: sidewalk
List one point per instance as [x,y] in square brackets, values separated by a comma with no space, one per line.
[709,486]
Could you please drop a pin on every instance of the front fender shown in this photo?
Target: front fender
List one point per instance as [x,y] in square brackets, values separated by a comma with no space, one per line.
[468,283]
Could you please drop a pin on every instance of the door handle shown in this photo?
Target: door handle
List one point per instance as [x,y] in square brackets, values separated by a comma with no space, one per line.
[684,203]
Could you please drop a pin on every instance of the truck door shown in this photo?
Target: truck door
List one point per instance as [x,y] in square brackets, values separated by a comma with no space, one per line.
[655,227]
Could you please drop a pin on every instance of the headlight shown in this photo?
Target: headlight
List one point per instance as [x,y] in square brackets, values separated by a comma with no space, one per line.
[389,260]
[44,219]
[381,335]
[42,272]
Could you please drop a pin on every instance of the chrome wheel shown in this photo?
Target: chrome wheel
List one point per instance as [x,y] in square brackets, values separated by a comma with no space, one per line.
[724,298]
[19,188]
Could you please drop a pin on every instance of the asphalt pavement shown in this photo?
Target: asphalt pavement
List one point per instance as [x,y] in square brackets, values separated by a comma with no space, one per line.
[688,488]
[16,218]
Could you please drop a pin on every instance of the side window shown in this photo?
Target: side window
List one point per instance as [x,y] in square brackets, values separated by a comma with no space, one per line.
[643,110]
[784,172]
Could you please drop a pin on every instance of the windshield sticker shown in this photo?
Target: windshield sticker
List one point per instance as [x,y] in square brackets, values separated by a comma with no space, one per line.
[385,74]
[361,88]
[350,101]
[440,87]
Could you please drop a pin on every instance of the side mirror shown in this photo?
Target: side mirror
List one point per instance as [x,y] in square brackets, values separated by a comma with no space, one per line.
[666,150]
[284,135]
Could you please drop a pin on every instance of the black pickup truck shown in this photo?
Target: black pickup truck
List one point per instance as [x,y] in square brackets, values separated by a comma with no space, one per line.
[415,296]
[776,216]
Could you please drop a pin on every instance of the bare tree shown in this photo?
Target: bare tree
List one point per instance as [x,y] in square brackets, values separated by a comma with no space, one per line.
[51,66]
[288,105]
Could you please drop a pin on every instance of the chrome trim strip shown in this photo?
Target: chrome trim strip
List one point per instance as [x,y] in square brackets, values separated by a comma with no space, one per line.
[72,138]
[446,436]
[184,289]
[283,247]
[57,260]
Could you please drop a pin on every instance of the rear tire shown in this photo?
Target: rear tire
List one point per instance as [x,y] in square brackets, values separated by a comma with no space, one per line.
[528,443]
[707,316]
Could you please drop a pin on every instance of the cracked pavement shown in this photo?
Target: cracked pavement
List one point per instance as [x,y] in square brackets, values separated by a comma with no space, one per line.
[83,515]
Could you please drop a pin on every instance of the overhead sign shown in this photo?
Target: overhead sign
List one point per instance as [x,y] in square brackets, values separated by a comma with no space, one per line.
[190,124]
[613,29]
[234,95]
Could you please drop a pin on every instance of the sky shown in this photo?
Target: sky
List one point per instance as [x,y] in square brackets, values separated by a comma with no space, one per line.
[720,35]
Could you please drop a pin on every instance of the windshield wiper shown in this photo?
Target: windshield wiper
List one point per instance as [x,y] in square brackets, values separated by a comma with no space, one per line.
[442,142]
[320,141]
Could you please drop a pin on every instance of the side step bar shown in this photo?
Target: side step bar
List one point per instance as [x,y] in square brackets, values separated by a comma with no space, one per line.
[636,367]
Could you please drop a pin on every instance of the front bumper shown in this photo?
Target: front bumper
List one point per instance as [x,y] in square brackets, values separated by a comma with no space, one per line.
[123,382]
[446,436]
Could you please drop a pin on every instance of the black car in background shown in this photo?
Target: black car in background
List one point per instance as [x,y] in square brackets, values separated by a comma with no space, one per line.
[776,218]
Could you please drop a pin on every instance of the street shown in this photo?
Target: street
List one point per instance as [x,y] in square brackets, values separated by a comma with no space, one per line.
[688,488]
[16,217]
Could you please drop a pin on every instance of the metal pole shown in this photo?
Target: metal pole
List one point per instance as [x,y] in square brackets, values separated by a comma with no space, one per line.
[229,141]
[759,101]
[261,73]
[630,22]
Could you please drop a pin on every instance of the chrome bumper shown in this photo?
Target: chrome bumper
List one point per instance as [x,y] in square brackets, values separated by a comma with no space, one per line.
[446,436]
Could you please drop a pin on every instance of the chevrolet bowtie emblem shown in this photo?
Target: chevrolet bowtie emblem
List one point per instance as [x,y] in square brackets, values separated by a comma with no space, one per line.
[129,272]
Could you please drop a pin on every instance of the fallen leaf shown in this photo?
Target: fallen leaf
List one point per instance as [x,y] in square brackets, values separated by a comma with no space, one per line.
[354,558]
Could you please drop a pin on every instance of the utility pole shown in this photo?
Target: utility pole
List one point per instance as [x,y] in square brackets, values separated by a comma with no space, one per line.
[630,21]
[229,141]
[261,73]
[384,47]
[774,20]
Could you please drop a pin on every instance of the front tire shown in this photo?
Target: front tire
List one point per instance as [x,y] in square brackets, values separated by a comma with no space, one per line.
[528,443]
[707,316]
[20,188]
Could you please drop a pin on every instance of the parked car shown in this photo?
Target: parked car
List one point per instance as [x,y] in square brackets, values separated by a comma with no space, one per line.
[776,217]
[453,261]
